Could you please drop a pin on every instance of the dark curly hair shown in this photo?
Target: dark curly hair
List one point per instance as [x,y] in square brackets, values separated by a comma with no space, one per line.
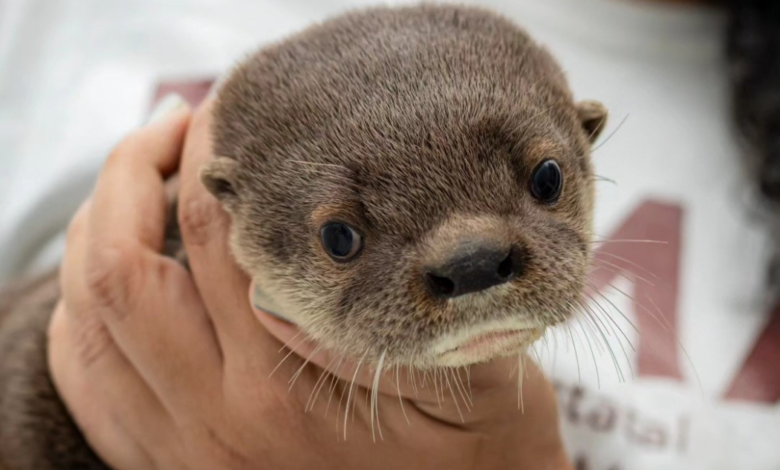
[753,53]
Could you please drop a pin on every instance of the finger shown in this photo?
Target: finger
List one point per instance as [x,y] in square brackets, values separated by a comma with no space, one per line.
[142,160]
[108,400]
[147,302]
[205,230]
[166,319]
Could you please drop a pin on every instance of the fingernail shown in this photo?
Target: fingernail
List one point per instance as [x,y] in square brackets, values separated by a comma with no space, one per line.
[169,104]
[261,302]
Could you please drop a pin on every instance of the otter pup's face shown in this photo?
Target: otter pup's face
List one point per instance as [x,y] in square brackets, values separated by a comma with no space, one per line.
[413,183]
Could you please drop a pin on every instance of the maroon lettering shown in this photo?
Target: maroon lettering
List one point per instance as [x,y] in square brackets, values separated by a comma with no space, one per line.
[758,380]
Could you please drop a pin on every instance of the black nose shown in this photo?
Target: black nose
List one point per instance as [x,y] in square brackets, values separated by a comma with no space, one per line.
[477,270]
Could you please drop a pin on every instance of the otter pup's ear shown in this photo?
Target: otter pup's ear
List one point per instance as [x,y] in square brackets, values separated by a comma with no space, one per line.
[219,178]
[593,116]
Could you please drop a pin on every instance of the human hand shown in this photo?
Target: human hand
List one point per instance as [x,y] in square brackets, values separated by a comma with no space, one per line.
[163,368]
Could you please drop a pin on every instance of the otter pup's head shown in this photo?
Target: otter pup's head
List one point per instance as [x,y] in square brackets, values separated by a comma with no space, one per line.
[412,182]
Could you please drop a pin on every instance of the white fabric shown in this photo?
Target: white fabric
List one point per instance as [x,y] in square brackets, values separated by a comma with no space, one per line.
[75,75]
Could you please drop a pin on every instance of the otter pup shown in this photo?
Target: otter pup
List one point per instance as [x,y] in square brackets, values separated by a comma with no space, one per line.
[408,185]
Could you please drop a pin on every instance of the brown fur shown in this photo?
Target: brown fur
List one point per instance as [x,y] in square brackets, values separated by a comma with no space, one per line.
[404,123]
[36,431]
[419,126]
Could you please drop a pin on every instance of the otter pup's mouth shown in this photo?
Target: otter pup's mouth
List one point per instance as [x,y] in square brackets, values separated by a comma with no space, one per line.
[484,344]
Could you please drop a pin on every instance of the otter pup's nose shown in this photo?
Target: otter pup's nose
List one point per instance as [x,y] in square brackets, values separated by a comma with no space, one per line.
[475,270]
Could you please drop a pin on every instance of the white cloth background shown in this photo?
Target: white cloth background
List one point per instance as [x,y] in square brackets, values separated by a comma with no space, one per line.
[75,75]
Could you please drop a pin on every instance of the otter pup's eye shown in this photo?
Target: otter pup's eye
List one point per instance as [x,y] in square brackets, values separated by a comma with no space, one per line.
[340,241]
[547,182]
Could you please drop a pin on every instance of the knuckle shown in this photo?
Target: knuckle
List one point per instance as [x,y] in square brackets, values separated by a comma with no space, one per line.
[112,277]
[197,219]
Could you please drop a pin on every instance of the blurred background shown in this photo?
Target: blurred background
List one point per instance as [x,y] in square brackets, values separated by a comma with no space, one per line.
[693,380]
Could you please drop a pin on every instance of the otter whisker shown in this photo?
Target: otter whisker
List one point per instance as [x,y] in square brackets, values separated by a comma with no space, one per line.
[576,355]
[609,317]
[596,130]
[454,399]
[511,372]
[343,390]
[442,386]
[318,385]
[616,326]
[375,399]
[460,391]
[369,397]
[292,350]
[527,373]
[552,351]
[599,326]
[333,383]
[597,340]
[546,344]
[682,347]
[436,386]
[623,270]
[607,240]
[593,319]
[604,179]
[595,362]
[620,342]
[398,388]
[536,355]
[662,322]
[413,378]
[358,390]
[321,380]
[620,312]
[520,367]
[609,350]
[593,150]
[619,273]
[287,344]
[456,374]
[297,374]
[629,262]
[468,378]
[351,388]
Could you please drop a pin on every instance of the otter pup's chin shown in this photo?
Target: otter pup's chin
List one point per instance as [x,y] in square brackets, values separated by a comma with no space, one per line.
[485,342]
